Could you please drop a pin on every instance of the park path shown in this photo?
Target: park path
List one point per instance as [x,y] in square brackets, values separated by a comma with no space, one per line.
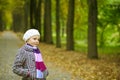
[9,44]
[8,47]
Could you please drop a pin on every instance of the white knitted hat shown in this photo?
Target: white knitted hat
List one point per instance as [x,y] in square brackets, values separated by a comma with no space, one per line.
[29,33]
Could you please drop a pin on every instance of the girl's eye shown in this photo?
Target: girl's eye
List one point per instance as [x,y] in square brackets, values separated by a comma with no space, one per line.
[36,39]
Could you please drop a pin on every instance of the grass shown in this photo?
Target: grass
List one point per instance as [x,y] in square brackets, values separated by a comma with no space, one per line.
[109,50]
[101,50]
[81,46]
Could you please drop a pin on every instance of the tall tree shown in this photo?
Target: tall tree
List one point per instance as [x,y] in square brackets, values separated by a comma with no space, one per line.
[18,16]
[32,13]
[58,39]
[70,22]
[26,14]
[92,29]
[1,20]
[38,15]
[47,22]
[35,14]
[17,20]
[4,5]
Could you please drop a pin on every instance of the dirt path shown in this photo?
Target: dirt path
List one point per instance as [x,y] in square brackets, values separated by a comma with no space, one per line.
[9,43]
[8,47]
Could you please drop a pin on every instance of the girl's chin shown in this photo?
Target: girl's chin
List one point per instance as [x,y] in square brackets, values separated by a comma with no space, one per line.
[34,45]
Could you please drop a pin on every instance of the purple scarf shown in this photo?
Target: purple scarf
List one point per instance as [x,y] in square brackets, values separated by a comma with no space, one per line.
[40,66]
[38,60]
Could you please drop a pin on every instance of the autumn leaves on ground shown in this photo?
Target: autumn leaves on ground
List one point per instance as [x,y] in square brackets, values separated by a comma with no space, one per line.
[79,66]
[62,64]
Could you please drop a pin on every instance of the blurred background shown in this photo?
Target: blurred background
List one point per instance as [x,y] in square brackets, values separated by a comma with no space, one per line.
[75,25]
[79,30]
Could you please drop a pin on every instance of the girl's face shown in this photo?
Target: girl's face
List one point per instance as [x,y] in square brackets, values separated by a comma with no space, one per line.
[34,41]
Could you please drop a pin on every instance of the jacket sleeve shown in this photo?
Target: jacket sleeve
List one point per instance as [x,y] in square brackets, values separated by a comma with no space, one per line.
[19,63]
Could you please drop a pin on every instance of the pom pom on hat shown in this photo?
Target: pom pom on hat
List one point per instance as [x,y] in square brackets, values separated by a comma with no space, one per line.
[29,33]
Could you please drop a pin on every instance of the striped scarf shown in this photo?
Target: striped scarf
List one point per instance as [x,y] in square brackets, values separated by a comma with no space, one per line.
[40,66]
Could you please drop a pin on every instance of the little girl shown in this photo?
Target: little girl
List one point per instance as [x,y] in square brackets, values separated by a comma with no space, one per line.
[29,63]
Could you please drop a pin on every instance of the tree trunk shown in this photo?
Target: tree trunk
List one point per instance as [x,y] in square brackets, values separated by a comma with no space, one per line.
[47,22]
[58,39]
[1,21]
[70,24]
[18,21]
[38,16]
[92,32]
[32,13]
[26,14]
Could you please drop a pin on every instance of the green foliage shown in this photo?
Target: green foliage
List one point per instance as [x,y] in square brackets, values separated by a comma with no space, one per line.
[108,33]
[4,4]
[7,7]
[108,25]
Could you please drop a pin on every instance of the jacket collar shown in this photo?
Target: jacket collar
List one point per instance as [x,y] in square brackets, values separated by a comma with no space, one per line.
[28,48]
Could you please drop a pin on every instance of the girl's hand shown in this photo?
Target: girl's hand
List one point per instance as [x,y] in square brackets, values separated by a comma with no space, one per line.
[28,74]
